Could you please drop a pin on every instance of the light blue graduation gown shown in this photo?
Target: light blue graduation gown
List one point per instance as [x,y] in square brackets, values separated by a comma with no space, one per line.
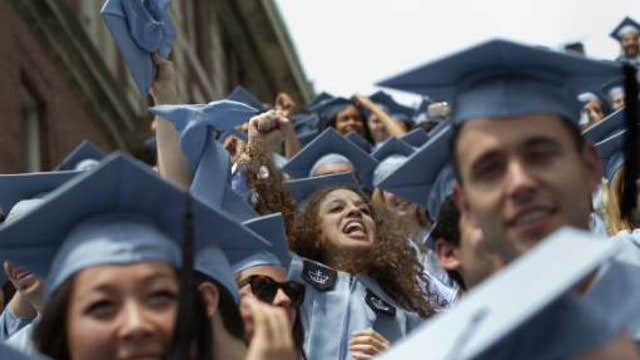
[8,353]
[617,288]
[23,339]
[338,304]
[10,324]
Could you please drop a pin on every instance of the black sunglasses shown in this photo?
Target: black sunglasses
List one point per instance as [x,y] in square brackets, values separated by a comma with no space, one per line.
[265,289]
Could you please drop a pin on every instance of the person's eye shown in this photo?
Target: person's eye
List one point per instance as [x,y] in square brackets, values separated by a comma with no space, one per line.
[541,154]
[335,209]
[162,298]
[488,171]
[365,210]
[101,309]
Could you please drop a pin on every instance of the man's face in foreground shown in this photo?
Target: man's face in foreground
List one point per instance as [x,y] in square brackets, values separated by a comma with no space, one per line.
[523,178]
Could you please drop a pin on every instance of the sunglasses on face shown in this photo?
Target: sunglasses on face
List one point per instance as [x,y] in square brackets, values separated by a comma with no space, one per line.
[265,289]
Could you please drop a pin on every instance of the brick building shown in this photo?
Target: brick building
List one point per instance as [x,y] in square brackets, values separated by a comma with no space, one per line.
[63,79]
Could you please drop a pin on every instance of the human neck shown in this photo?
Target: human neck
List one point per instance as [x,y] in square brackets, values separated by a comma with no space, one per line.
[226,346]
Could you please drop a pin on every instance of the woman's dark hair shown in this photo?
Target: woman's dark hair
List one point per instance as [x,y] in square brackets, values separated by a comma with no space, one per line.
[50,335]
[229,312]
[392,261]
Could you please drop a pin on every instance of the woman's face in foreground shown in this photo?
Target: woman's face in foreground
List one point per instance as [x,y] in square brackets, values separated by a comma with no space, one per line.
[122,312]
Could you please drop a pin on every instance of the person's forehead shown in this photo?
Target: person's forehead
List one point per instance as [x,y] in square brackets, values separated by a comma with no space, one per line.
[342,194]
[275,272]
[115,274]
[631,35]
[505,131]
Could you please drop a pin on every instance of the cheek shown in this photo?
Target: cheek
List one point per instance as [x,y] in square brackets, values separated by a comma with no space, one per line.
[88,338]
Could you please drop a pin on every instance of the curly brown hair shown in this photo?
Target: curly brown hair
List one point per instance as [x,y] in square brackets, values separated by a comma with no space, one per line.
[392,261]
[272,195]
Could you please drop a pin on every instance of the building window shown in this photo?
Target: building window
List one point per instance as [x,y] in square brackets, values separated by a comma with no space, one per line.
[33,129]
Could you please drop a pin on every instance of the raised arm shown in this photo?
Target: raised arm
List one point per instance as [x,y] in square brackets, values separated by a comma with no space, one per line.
[172,163]
[393,126]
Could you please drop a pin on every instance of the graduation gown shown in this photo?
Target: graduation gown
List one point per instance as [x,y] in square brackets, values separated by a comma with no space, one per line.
[10,324]
[617,288]
[337,304]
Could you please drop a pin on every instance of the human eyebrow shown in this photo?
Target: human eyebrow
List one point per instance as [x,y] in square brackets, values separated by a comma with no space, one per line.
[542,142]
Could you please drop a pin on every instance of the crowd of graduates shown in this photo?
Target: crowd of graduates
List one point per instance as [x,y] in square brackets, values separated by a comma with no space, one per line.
[493,220]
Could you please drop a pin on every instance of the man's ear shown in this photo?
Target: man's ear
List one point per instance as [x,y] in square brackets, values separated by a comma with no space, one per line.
[593,164]
[448,255]
[211,297]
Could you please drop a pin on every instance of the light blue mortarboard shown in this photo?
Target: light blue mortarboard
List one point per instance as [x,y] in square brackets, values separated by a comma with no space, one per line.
[393,108]
[273,250]
[605,128]
[331,143]
[140,28]
[612,154]
[416,137]
[208,158]
[240,94]
[20,193]
[501,305]
[323,96]
[82,157]
[391,155]
[500,78]
[392,146]
[306,126]
[626,26]
[414,180]
[120,213]
[303,189]
[357,139]
[217,256]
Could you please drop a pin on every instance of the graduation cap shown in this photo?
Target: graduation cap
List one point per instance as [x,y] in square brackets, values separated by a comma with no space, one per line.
[614,89]
[140,29]
[500,78]
[303,189]
[414,179]
[220,257]
[120,213]
[393,108]
[416,137]
[327,148]
[320,98]
[392,146]
[222,115]
[272,250]
[612,153]
[20,193]
[605,128]
[360,141]
[82,157]
[489,319]
[208,158]
[627,26]
[244,96]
